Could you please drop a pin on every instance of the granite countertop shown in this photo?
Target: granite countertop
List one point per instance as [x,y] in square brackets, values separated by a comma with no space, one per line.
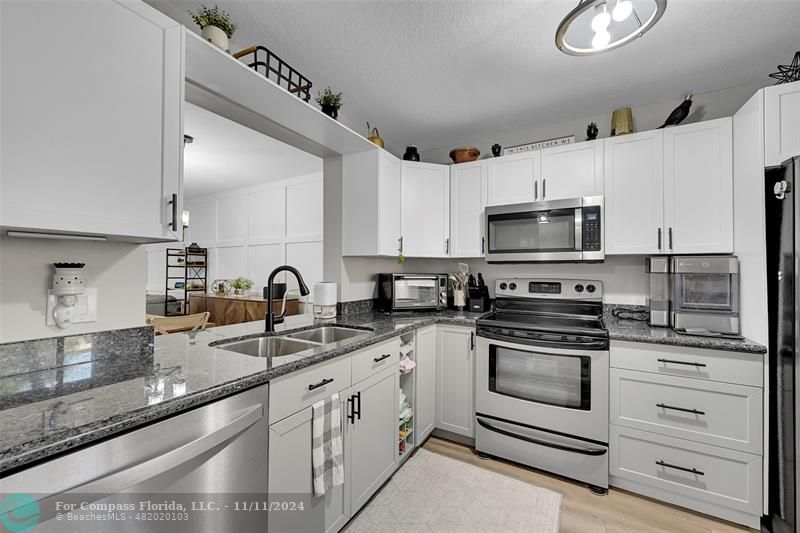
[636,329]
[59,393]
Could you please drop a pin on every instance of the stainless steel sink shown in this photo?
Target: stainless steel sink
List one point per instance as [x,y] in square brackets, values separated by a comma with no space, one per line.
[328,334]
[268,346]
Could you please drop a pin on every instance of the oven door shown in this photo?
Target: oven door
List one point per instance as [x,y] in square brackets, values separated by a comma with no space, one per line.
[415,293]
[554,389]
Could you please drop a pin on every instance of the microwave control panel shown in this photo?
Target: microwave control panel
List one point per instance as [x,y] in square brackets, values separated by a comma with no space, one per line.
[592,232]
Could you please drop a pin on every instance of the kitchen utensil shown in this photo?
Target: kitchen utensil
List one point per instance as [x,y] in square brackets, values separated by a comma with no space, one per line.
[374,136]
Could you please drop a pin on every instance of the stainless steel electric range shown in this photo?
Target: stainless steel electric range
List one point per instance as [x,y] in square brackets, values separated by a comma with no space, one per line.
[542,378]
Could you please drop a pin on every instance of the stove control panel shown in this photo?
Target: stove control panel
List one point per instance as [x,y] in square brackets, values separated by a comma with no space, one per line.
[556,289]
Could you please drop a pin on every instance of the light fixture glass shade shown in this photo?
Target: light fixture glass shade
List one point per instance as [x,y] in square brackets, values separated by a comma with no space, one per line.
[622,10]
[582,32]
[185,218]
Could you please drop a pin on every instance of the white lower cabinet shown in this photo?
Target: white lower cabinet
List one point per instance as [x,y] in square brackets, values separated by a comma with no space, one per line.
[455,380]
[713,480]
[371,437]
[426,382]
[290,473]
[686,427]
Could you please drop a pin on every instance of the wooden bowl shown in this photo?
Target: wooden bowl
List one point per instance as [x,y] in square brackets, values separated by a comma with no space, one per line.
[465,154]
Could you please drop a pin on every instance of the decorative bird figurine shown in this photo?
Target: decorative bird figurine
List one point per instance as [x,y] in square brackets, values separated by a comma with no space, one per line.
[679,113]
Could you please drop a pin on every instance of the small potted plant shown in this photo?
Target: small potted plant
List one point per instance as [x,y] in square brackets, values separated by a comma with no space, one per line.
[241,285]
[215,25]
[329,102]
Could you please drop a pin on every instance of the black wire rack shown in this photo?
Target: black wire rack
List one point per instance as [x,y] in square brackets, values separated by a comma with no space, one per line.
[265,62]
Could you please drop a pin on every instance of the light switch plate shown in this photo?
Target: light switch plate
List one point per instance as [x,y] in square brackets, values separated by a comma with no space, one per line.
[85,310]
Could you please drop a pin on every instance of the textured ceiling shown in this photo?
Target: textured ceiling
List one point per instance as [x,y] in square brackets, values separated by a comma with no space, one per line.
[434,72]
[226,155]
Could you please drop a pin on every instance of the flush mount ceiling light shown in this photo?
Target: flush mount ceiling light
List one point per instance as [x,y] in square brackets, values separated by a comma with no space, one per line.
[597,26]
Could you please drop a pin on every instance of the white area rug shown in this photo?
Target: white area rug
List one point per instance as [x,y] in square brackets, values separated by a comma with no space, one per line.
[432,493]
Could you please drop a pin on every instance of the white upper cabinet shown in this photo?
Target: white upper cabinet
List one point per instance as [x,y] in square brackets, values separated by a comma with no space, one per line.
[467,202]
[571,171]
[425,209]
[698,187]
[513,179]
[371,203]
[634,193]
[92,119]
[781,123]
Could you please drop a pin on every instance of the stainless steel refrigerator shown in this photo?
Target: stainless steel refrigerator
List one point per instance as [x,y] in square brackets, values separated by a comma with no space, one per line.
[783,287]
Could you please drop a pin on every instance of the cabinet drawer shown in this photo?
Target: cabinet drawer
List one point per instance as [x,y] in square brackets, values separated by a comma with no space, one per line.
[288,394]
[662,467]
[373,359]
[713,365]
[721,414]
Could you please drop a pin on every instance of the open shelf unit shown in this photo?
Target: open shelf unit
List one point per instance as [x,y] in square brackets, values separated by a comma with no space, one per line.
[186,272]
[406,438]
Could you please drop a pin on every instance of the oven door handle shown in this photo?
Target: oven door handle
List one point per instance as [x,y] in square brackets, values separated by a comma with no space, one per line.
[596,344]
[540,442]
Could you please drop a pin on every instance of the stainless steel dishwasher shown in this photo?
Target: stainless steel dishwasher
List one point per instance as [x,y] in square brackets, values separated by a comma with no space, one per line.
[215,454]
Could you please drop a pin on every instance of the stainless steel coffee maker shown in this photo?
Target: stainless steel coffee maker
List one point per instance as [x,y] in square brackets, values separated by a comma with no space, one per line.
[705,295]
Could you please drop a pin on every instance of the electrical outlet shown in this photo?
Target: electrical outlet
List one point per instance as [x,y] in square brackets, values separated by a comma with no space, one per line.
[84,311]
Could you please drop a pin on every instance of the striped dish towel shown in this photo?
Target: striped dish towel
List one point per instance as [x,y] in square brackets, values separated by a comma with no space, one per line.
[326,445]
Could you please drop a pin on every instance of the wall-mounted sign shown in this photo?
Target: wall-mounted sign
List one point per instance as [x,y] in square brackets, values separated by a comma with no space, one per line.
[549,143]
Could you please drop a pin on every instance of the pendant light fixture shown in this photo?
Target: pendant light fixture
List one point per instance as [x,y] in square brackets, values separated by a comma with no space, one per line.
[597,26]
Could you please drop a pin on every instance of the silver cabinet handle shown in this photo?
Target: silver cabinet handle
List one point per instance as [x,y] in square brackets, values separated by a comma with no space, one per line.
[401,244]
[447,246]
[322,383]
[140,472]
[382,357]
[544,188]
[670,238]
[535,190]
[483,245]
[174,203]
[659,239]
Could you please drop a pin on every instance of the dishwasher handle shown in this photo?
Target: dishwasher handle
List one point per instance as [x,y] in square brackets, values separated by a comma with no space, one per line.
[122,479]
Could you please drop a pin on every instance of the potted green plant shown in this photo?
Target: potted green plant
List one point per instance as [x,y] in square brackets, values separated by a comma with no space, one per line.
[329,102]
[241,285]
[215,25]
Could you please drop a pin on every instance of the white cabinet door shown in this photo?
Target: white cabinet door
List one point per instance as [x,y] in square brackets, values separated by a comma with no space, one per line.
[372,436]
[467,201]
[455,380]
[388,204]
[370,204]
[425,406]
[513,179]
[634,193]
[698,187]
[781,123]
[572,170]
[92,138]
[290,473]
[425,209]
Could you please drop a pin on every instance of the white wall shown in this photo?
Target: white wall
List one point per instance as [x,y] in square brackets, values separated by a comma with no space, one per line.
[251,231]
[117,270]
[706,106]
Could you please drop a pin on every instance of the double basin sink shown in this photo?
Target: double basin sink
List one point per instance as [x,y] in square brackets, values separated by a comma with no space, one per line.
[291,343]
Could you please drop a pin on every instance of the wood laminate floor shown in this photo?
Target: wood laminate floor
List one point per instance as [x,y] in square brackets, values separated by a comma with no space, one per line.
[582,512]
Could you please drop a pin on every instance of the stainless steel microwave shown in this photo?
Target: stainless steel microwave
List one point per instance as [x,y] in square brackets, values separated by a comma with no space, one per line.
[412,292]
[566,231]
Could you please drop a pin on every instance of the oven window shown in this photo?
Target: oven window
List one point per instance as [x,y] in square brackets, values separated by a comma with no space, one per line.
[706,291]
[411,292]
[545,231]
[561,380]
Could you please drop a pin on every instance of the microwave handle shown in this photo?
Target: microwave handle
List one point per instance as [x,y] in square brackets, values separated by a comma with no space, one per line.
[579,229]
